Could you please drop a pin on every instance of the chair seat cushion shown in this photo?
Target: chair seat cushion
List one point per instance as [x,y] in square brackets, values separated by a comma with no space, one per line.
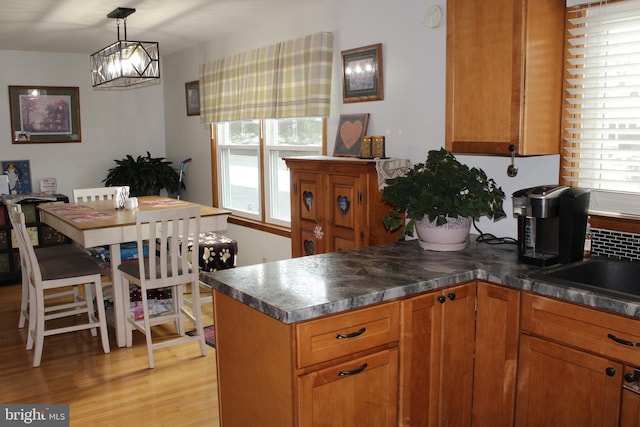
[132,268]
[45,253]
[72,266]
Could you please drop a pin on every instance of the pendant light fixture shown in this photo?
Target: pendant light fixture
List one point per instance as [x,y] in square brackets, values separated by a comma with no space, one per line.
[125,63]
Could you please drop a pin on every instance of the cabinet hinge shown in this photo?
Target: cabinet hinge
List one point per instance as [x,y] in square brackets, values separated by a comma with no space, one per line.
[359,197]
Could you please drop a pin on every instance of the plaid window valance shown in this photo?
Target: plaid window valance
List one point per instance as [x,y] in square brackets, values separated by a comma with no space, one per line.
[287,79]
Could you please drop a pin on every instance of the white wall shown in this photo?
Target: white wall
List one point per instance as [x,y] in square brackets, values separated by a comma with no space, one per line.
[113,123]
[412,115]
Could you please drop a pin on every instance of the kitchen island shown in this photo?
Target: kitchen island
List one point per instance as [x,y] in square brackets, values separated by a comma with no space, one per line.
[303,340]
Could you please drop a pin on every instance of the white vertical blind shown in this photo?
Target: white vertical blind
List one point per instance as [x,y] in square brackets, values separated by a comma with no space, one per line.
[601,148]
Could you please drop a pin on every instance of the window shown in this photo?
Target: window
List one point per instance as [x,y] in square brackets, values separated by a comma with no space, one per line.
[253,180]
[601,145]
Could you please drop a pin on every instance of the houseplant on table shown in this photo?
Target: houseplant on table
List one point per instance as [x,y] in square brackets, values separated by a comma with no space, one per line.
[440,196]
[145,175]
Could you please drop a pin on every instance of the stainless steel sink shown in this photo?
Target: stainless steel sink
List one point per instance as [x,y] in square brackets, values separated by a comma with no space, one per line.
[615,277]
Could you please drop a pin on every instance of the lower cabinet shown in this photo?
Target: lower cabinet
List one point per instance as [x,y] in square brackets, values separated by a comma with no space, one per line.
[561,386]
[573,364]
[436,366]
[474,354]
[496,356]
[630,410]
[339,370]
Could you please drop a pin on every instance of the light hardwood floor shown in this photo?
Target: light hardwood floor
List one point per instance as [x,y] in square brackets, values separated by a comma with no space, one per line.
[115,389]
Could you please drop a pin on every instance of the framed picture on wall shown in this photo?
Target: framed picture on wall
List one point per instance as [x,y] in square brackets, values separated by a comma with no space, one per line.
[362,78]
[44,114]
[192,93]
[351,129]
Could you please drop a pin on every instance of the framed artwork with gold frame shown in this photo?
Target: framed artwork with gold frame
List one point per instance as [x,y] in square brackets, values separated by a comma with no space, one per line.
[362,78]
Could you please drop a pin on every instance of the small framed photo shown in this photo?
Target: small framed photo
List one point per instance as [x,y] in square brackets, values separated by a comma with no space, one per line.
[351,129]
[362,78]
[192,93]
[44,114]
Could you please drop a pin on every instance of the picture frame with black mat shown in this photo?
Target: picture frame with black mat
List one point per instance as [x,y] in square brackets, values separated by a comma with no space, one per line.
[362,78]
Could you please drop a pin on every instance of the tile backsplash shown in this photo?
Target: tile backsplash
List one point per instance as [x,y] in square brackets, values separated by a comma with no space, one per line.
[615,244]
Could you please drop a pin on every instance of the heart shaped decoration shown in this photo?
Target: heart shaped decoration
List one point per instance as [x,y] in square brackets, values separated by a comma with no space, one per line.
[350,133]
[307,196]
[344,204]
[309,247]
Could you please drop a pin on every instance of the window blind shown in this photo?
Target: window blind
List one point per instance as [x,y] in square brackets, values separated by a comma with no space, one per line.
[284,80]
[601,144]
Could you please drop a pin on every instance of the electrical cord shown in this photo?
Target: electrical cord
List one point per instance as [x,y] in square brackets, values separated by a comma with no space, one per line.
[490,239]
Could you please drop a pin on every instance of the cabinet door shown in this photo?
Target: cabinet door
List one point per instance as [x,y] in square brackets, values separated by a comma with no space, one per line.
[307,205]
[504,76]
[362,392]
[345,209]
[560,386]
[436,344]
[497,333]
[630,413]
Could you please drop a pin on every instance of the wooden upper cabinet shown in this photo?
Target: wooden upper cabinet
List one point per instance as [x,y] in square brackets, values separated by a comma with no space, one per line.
[504,76]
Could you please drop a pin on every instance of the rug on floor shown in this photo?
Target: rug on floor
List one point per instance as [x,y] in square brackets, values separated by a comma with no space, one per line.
[209,335]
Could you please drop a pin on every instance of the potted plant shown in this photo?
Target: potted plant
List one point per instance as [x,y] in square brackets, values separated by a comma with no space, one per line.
[441,194]
[145,175]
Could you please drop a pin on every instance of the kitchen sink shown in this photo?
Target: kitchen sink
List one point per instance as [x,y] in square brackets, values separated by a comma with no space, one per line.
[610,276]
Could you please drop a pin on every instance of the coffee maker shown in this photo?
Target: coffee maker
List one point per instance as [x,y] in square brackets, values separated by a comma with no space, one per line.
[552,221]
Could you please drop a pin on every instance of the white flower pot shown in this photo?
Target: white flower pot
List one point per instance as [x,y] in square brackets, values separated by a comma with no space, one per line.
[451,236]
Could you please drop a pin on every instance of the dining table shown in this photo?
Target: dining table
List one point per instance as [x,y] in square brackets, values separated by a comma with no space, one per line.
[99,224]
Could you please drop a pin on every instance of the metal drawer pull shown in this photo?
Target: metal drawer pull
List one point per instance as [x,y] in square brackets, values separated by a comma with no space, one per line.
[354,372]
[623,342]
[352,334]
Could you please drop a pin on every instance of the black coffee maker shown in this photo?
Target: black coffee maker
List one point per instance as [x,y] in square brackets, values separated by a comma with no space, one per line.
[552,221]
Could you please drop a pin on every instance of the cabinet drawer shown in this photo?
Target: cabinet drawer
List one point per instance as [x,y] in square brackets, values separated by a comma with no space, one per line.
[328,338]
[360,392]
[582,327]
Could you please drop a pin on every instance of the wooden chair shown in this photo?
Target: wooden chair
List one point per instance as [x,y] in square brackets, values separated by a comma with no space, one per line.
[55,274]
[44,254]
[167,269]
[89,194]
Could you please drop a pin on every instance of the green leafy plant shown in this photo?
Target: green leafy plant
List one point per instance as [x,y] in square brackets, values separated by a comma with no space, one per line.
[440,188]
[145,175]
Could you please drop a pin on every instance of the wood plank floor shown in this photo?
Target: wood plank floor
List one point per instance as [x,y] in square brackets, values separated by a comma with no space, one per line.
[115,389]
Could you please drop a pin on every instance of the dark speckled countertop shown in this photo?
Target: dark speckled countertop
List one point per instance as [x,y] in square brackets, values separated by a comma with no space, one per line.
[304,288]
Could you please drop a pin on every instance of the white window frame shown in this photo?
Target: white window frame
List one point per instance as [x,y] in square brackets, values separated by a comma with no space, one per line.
[267,153]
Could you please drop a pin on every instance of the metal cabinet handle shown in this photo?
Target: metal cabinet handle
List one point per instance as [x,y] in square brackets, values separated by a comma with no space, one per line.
[441,299]
[632,377]
[452,296]
[610,372]
[622,341]
[352,334]
[354,372]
